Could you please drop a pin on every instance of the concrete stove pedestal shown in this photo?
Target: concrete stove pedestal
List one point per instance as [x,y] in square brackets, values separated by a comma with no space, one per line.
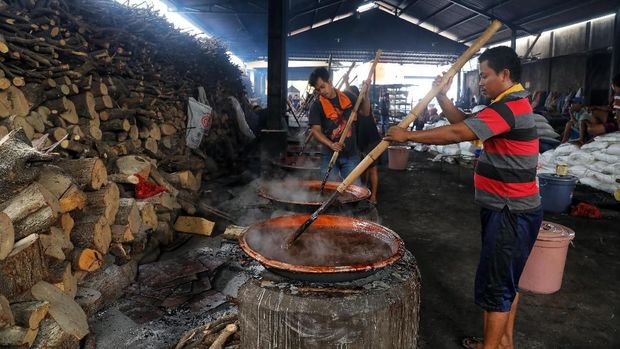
[381,311]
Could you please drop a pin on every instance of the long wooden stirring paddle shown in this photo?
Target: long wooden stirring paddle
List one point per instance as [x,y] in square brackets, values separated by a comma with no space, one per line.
[383,145]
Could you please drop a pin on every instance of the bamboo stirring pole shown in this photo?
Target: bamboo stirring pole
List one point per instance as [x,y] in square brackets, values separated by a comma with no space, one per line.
[352,118]
[381,147]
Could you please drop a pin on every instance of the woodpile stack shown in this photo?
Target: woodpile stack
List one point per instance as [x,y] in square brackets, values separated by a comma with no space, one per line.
[93,99]
[107,80]
[72,236]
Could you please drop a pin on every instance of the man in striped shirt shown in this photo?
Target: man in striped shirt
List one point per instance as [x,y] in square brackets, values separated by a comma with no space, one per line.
[505,183]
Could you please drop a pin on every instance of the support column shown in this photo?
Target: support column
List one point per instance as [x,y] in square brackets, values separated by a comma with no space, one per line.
[273,138]
[513,39]
[458,85]
[277,62]
[615,53]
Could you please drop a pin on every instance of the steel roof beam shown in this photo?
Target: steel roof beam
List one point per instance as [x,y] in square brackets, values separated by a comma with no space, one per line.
[468,18]
[435,13]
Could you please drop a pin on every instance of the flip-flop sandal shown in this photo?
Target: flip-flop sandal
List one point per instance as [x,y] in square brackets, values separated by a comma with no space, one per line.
[472,342]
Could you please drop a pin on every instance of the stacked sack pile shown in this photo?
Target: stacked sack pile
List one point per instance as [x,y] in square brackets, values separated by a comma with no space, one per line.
[596,164]
[467,149]
[463,149]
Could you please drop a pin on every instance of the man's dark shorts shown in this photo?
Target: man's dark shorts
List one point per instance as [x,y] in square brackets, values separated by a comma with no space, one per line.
[611,127]
[507,239]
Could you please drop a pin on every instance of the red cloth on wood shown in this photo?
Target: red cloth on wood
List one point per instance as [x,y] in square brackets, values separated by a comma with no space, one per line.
[146,189]
[586,210]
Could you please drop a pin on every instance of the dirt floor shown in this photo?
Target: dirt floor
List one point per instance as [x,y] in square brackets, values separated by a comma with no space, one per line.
[431,206]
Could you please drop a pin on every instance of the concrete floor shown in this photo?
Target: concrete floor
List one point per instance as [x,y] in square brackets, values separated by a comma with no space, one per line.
[431,206]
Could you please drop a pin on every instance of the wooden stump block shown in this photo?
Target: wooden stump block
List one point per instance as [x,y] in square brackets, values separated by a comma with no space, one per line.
[382,313]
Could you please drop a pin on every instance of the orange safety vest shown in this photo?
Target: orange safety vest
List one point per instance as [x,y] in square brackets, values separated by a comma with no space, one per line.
[335,114]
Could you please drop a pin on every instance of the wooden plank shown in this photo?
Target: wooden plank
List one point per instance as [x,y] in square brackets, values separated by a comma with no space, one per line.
[194,225]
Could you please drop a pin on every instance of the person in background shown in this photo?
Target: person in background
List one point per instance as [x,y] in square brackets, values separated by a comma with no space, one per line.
[385,112]
[367,138]
[418,123]
[573,131]
[605,119]
[328,117]
[505,184]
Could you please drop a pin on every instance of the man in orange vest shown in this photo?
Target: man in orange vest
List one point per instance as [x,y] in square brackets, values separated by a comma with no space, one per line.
[328,117]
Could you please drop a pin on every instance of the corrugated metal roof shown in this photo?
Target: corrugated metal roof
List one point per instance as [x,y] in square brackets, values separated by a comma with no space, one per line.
[242,24]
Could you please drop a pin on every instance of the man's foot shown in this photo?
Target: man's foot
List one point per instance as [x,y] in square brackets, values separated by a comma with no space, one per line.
[472,343]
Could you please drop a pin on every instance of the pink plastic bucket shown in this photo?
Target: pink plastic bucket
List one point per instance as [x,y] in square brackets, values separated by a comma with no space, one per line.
[544,268]
[398,156]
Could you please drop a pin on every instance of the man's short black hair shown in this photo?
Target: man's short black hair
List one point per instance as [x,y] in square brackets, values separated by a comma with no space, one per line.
[616,80]
[503,57]
[320,72]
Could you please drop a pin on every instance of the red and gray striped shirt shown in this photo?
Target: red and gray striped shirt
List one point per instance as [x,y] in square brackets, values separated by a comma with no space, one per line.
[506,170]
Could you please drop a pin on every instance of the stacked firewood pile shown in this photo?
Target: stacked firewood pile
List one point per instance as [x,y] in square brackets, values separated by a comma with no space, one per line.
[108,80]
[92,111]
[71,237]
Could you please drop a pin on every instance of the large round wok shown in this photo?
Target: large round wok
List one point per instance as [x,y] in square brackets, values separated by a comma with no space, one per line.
[307,192]
[333,249]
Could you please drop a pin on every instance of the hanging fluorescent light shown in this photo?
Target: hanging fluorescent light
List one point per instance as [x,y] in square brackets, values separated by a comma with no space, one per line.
[366,7]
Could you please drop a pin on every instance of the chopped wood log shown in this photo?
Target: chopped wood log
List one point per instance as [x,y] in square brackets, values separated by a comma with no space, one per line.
[30,314]
[121,233]
[159,179]
[23,268]
[233,232]
[58,133]
[61,276]
[55,180]
[103,102]
[89,299]
[86,259]
[6,314]
[194,225]
[19,103]
[7,235]
[132,164]
[56,243]
[63,309]
[229,330]
[148,215]
[151,145]
[72,199]
[184,179]
[128,214]
[89,172]
[85,105]
[92,230]
[116,125]
[168,129]
[35,120]
[51,335]
[123,178]
[28,201]
[106,198]
[67,223]
[20,122]
[5,83]
[155,132]
[119,276]
[17,336]
[134,133]
[37,222]
[3,131]
[163,233]
[17,154]
[119,251]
